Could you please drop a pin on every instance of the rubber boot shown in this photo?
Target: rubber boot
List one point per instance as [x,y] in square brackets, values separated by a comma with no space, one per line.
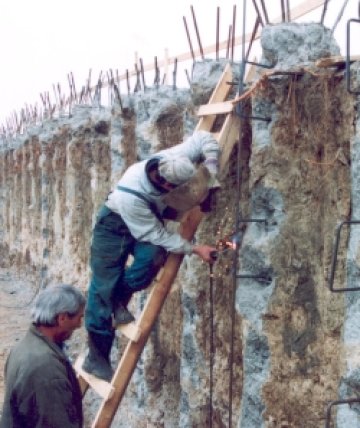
[121,313]
[97,361]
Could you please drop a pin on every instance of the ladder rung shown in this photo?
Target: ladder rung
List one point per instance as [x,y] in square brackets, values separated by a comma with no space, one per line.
[215,108]
[103,388]
[131,331]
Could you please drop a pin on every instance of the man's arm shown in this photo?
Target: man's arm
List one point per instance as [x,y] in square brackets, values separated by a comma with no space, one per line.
[146,227]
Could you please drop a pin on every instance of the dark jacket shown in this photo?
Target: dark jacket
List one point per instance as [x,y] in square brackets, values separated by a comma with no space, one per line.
[42,390]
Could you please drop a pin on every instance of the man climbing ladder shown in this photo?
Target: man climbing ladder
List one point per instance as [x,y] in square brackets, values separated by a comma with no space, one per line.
[131,222]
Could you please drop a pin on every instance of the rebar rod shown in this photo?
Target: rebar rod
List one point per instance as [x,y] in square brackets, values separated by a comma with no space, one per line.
[98,89]
[258,12]
[211,351]
[288,11]
[237,223]
[217,32]
[157,72]
[137,84]
[282,4]
[73,83]
[174,73]
[142,74]
[117,92]
[197,32]
[264,11]
[228,42]
[253,34]
[188,77]
[189,39]
[127,81]
[70,86]
[324,11]
[339,16]
[109,85]
[233,33]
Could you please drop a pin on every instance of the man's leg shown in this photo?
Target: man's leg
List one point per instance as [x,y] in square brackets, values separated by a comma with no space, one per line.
[111,245]
[148,259]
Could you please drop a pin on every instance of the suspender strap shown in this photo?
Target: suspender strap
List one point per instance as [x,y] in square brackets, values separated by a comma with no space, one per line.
[150,204]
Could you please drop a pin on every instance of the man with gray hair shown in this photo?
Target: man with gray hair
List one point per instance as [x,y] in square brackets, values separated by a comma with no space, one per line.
[42,389]
[132,223]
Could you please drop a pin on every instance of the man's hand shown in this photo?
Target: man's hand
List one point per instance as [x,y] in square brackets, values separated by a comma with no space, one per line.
[205,252]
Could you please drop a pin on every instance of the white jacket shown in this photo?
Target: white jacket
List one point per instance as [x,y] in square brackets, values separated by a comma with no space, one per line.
[141,221]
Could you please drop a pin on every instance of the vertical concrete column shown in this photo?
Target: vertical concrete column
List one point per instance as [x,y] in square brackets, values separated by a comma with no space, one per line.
[2,193]
[78,204]
[10,185]
[36,205]
[26,202]
[100,175]
[18,201]
[349,386]
[60,191]
[47,202]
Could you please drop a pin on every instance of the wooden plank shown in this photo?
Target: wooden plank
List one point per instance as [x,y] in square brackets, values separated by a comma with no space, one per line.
[215,108]
[227,138]
[131,331]
[103,388]
[335,61]
[147,319]
[252,72]
[219,94]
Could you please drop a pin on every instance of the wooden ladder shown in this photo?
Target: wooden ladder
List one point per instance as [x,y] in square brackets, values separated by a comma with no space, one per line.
[139,331]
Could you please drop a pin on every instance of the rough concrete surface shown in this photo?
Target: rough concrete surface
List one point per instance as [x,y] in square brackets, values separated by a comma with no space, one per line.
[284,344]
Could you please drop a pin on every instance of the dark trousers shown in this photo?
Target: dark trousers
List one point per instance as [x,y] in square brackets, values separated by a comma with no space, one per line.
[111,281]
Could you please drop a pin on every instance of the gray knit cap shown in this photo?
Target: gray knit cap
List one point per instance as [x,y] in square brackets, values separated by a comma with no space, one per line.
[176,170]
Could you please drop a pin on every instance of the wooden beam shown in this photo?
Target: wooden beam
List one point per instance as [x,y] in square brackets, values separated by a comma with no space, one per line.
[227,139]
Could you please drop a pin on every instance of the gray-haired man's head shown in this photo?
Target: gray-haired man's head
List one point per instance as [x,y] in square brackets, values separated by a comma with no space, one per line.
[55,300]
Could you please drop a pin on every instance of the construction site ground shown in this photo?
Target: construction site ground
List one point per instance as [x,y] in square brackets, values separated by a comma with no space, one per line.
[16,291]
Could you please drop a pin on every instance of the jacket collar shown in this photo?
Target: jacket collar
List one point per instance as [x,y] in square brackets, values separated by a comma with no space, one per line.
[53,345]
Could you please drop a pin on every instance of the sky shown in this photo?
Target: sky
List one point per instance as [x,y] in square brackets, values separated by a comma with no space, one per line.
[42,41]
